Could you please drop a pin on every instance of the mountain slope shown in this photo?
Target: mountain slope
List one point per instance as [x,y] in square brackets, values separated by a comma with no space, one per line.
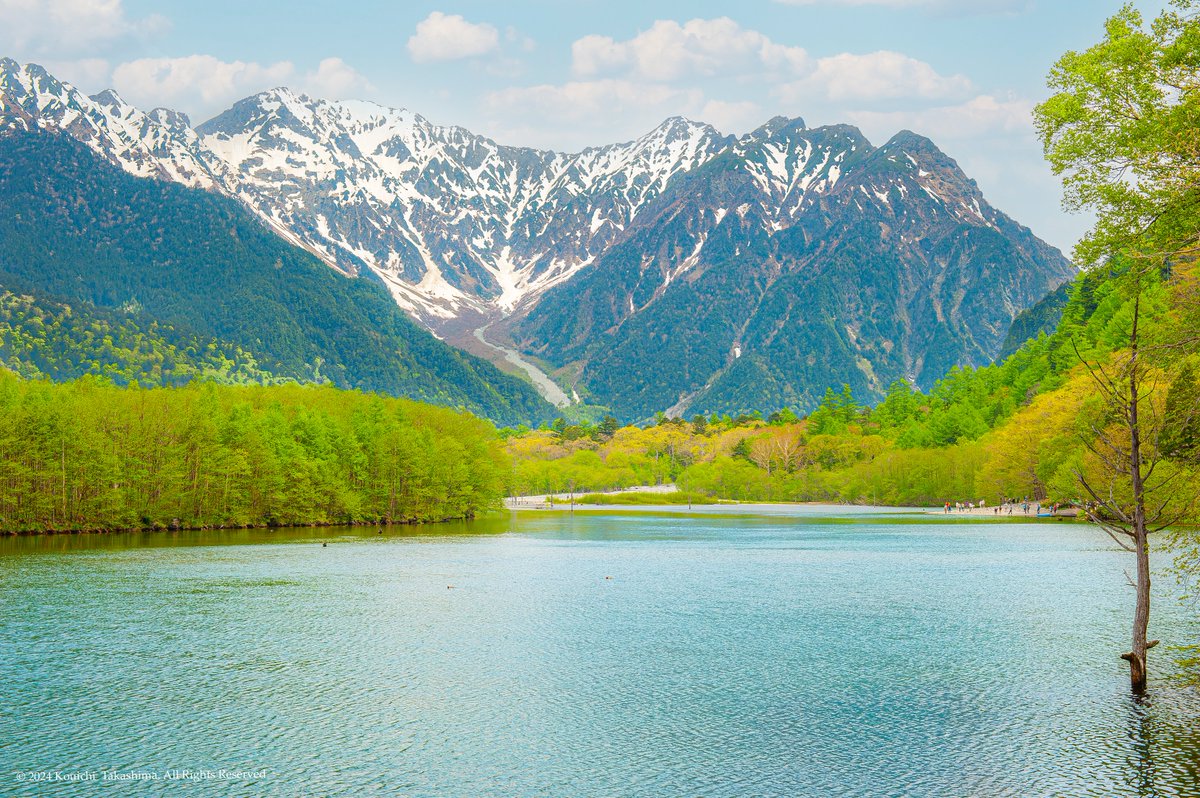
[798,260]
[74,227]
[452,221]
[1041,317]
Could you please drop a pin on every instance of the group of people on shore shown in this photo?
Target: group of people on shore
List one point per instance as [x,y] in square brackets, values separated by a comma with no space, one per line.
[1006,507]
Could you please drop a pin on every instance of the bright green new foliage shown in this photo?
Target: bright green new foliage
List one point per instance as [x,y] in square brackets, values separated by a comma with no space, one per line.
[1122,131]
[43,338]
[90,455]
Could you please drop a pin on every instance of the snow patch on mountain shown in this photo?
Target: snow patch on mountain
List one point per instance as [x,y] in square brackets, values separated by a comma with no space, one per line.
[453,222]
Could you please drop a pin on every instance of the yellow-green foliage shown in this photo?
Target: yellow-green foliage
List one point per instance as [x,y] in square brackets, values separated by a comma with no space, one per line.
[551,462]
[90,455]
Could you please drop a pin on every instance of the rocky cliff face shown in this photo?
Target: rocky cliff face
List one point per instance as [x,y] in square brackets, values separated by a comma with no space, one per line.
[685,269]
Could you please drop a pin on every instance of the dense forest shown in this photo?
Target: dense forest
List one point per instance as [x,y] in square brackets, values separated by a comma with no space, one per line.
[1013,429]
[78,230]
[89,455]
[43,338]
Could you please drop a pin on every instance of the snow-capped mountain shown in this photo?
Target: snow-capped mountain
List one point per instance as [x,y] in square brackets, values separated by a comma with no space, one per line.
[718,249]
[160,144]
[450,220]
[795,260]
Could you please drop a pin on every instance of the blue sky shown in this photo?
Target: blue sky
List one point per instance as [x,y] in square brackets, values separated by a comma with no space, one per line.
[566,74]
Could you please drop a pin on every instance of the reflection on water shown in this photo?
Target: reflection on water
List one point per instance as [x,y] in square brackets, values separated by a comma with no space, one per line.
[31,544]
[817,651]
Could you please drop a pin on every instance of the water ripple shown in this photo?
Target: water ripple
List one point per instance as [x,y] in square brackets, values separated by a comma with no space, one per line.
[595,657]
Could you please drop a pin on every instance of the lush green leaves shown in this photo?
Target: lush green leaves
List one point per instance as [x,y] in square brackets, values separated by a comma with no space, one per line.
[1121,129]
[90,455]
[41,338]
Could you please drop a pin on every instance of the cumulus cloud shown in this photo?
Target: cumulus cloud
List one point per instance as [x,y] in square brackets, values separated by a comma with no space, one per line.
[65,28]
[671,51]
[334,79]
[198,84]
[874,76]
[447,37]
[202,84]
[713,70]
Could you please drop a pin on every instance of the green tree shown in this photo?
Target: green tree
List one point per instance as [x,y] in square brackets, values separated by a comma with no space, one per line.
[607,427]
[1121,131]
[1181,422]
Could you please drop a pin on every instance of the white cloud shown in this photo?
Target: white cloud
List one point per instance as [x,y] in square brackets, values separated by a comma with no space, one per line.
[977,118]
[584,113]
[446,37]
[732,117]
[66,28]
[334,79]
[197,84]
[874,76]
[712,70]
[669,51]
[202,85]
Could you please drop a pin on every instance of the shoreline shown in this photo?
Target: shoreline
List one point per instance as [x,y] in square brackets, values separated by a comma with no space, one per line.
[561,501]
[540,503]
[122,530]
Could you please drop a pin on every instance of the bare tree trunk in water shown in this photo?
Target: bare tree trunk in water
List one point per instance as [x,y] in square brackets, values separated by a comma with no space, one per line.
[1141,614]
[1141,618]
[1128,518]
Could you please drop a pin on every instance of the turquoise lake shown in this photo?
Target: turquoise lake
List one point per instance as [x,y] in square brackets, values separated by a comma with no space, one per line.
[769,652]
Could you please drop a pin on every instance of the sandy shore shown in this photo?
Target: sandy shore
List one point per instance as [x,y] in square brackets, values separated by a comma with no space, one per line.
[543,500]
[1006,511]
[561,500]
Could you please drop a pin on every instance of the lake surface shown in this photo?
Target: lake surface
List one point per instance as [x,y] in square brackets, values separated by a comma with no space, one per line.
[796,652]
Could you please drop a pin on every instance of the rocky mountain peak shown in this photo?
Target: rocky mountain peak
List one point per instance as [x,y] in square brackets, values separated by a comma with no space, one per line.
[167,117]
[110,100]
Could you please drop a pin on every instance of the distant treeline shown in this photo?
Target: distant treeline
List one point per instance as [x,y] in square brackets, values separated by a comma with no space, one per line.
[88,455]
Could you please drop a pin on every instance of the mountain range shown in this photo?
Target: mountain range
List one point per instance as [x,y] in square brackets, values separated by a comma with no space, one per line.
[686,270]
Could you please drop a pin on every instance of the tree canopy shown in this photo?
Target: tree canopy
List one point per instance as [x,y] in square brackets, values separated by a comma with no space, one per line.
[1121,129]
